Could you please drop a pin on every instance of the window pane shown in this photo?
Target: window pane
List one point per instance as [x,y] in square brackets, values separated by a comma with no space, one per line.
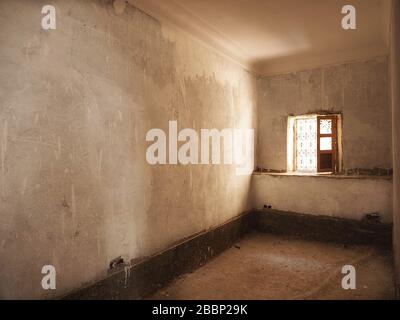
[325,126]
[326,161]
[325,143]
[306,145]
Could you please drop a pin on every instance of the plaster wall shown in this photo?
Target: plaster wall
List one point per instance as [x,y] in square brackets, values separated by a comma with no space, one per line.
[395,99]
[75,106]
[357,90]
[349,198]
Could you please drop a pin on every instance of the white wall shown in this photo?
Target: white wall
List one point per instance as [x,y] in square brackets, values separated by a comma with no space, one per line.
[348,198]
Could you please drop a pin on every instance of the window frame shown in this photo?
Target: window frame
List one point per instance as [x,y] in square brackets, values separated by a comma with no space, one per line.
[336,143]
[334,150]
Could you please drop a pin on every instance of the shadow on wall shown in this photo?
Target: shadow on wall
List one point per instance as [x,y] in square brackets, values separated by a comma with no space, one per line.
[76,189]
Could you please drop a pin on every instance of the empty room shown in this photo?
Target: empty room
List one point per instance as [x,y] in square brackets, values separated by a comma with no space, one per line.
[193,150]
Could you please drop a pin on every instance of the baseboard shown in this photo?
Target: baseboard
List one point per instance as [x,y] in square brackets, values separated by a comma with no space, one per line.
[152,273]
[322,228]
[147,276]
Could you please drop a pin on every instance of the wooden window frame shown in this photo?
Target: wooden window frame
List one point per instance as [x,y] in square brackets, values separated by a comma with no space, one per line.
[334,152]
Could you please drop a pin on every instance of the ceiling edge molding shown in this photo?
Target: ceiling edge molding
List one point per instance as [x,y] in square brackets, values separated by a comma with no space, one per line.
[172,14]
[293,64]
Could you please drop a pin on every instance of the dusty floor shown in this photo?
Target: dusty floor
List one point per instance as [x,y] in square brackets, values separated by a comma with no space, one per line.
[263,266]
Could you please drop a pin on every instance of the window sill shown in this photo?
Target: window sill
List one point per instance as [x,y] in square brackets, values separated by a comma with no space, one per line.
[322,175]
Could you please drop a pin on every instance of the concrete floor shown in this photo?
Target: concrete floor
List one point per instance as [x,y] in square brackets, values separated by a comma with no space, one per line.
[263,266]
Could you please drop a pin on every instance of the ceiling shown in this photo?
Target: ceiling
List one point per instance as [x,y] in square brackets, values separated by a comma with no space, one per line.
[275,36]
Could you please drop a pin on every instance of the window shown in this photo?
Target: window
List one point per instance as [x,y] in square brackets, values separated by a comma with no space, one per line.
[327,144]
[313,144]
